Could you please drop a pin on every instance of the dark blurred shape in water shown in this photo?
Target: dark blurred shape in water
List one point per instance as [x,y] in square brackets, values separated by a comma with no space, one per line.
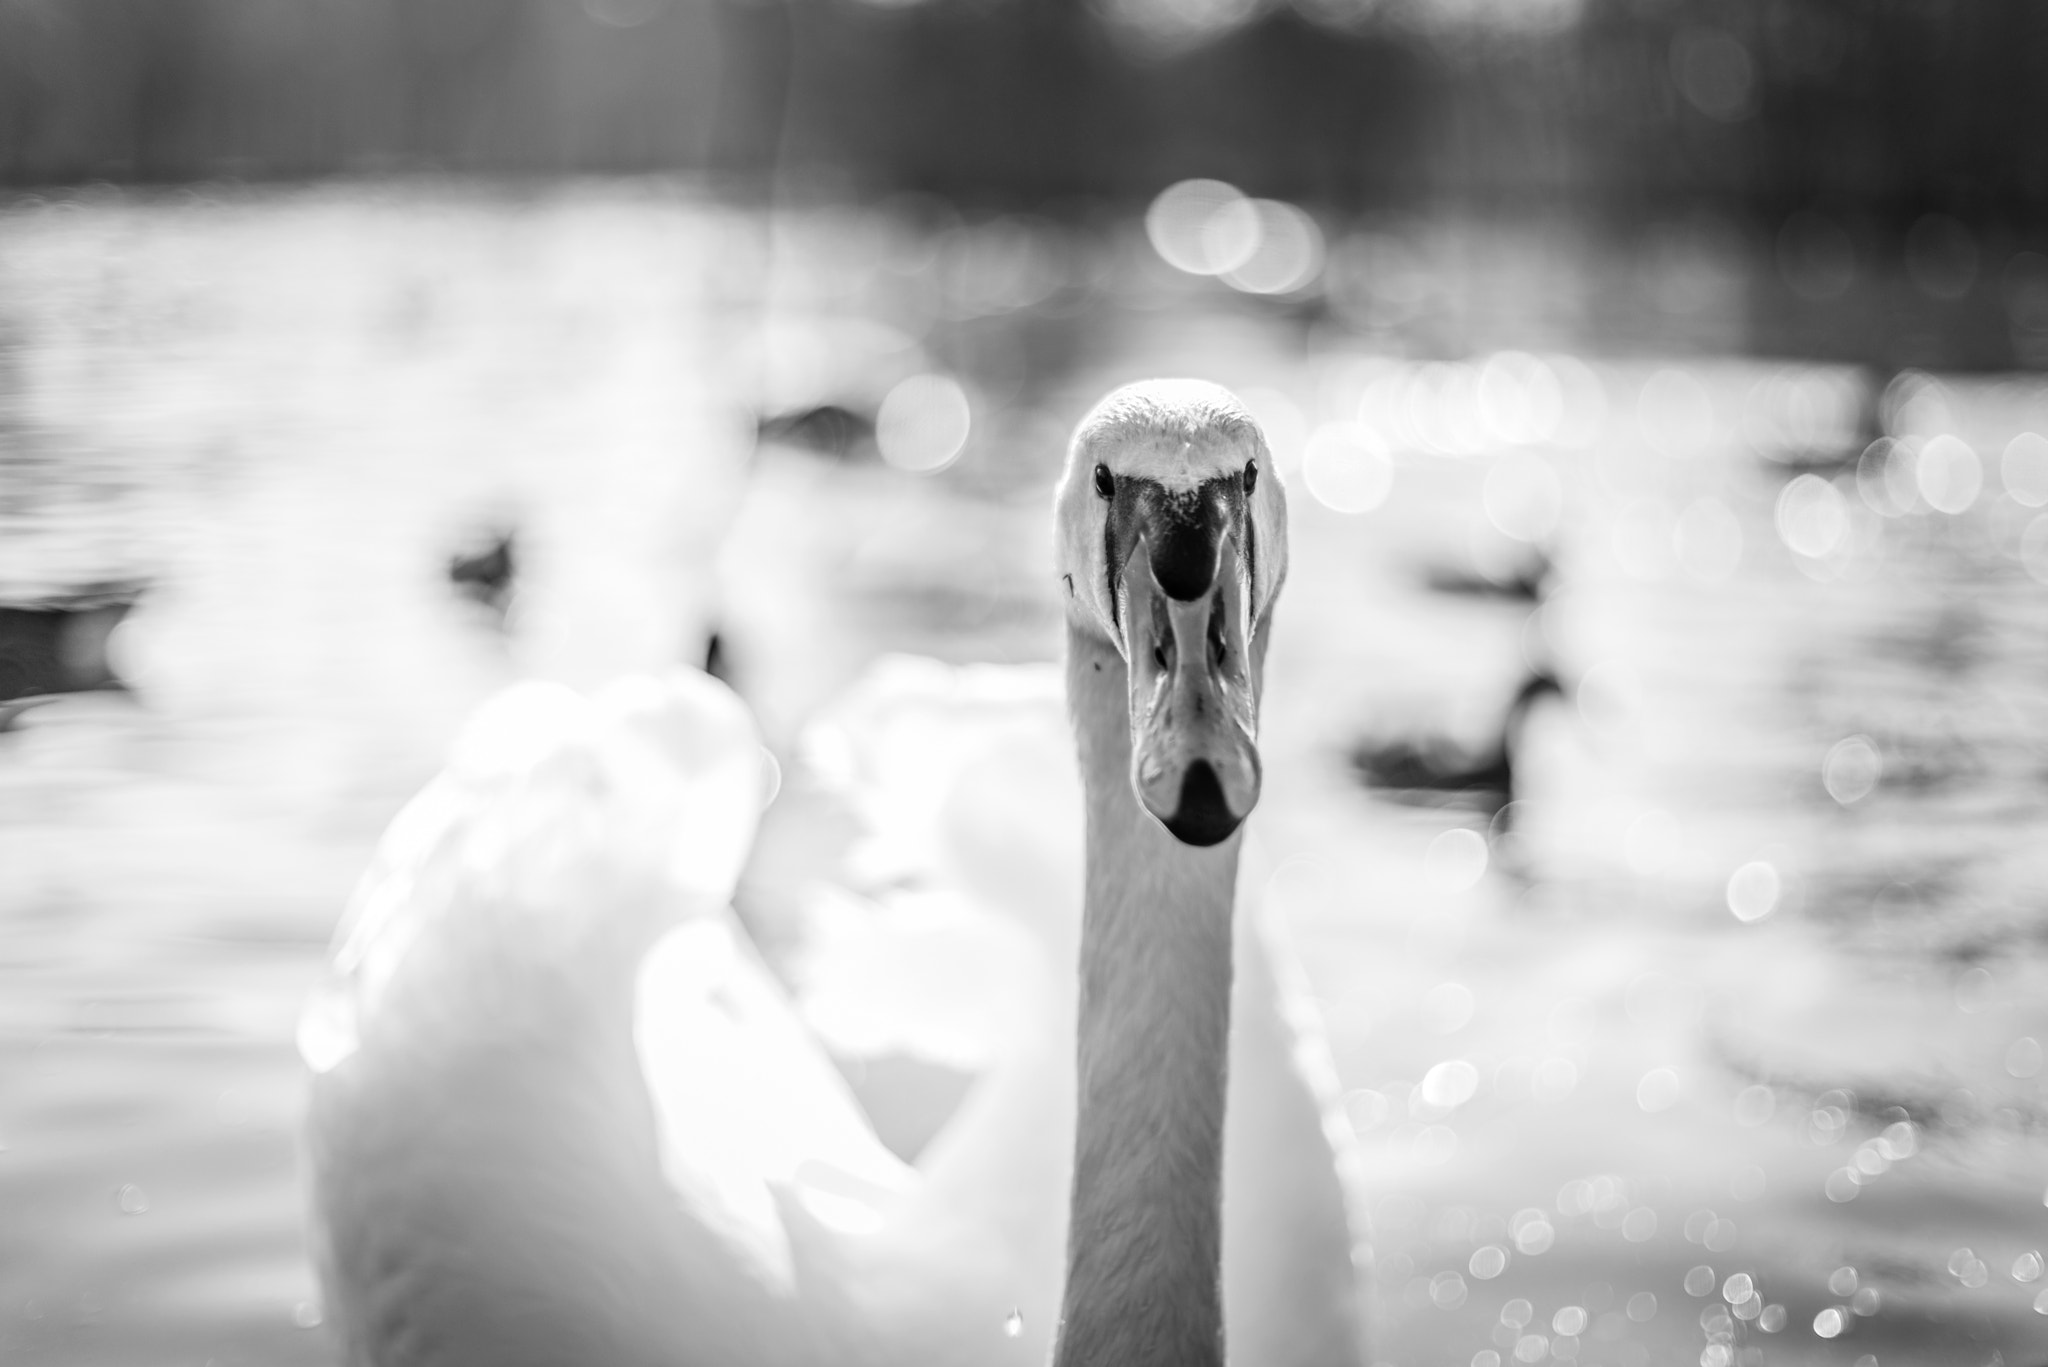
[59,645]
[718,659]
[827,428]
[1435,767]
[1523,579]
[487,572]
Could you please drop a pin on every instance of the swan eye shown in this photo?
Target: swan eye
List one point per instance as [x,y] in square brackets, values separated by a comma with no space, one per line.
[1105,483]
[1251,476]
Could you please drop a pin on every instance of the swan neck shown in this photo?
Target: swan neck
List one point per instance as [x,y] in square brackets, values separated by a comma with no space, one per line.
[1143,1285]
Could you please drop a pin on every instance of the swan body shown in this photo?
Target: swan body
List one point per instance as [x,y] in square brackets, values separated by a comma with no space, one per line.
[562,1112]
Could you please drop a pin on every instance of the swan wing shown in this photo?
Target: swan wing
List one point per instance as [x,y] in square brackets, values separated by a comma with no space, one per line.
[548,1068]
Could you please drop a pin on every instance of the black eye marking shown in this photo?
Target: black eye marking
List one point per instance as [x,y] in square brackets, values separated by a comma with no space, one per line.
[1251,476]
[1105,483]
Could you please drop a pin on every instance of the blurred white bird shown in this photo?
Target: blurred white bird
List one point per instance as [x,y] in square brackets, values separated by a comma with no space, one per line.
[564,1113]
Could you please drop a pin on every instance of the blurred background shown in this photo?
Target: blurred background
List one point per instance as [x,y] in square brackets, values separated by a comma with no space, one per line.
[1656,738]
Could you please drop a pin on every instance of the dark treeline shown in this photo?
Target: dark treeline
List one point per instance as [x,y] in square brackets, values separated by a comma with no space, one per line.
[1888,108]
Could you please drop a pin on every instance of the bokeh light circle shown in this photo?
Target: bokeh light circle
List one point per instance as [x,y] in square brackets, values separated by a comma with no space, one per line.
[1366,1109]
[1230,237]
[1283,251]
[1851,770]
[2023,1057]
[1658,1090]
[2023,469]
[1883,478]
[1346,468]
[1203,227]
[1813,517]
[1435,1144]
[1753,890]
[1519,398]
[2034,549]
[1949,474]
[1450,1084]
[1456,859]
[1532,1232]
[1899,1140]
[923,423]
[1609,696]
[1715,73]
[1488,1262]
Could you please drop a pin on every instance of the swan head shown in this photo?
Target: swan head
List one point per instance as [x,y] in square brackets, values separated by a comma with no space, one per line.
[1172,545]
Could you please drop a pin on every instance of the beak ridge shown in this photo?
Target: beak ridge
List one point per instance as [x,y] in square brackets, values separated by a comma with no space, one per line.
[1193,762]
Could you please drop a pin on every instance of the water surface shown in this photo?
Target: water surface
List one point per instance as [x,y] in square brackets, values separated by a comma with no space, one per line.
[1577,1075]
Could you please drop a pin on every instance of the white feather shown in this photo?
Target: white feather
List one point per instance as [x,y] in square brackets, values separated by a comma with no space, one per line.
[563,1112]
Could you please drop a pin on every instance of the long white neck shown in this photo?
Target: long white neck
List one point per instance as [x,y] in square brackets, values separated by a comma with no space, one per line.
[1144,1249]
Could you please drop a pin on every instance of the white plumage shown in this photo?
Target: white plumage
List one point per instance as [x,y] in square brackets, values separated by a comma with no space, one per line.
[564,1113]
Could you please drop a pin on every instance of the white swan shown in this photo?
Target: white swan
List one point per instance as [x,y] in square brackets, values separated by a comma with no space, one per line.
[562,1113]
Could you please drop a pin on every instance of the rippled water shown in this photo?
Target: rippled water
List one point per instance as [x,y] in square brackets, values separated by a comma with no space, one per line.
[1662,1086]
[1579,1077]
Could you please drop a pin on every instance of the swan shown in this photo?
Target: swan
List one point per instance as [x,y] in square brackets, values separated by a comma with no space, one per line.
[1483,774]
[562,1112]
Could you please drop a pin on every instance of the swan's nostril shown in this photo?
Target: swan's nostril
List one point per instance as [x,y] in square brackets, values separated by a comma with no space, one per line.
[1184,558]
[1203,817]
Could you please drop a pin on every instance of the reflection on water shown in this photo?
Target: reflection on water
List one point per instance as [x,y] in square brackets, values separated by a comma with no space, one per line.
[1722,1042]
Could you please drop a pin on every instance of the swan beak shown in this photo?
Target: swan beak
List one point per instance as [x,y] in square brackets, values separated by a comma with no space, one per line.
[1194,708]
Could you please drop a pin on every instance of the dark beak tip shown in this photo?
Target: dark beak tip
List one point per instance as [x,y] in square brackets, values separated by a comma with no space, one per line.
[1202,818]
